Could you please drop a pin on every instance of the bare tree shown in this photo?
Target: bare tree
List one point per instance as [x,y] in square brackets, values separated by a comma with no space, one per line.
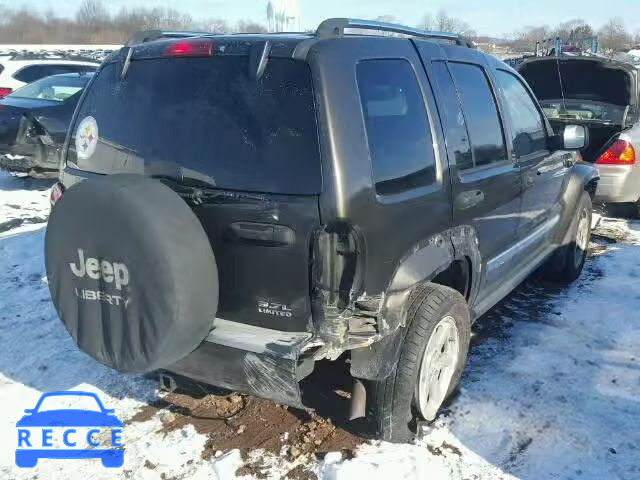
[92,14]
[613,35]
[445,23]
[581,31]
[427,22]
[215,25]
[250,27]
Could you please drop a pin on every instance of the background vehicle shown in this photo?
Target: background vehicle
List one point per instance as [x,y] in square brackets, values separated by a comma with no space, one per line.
[34,121]
[601,95]
[18,70]
[237,208]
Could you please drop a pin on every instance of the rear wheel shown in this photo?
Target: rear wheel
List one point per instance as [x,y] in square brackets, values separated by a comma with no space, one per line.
[635,210]
[432,358]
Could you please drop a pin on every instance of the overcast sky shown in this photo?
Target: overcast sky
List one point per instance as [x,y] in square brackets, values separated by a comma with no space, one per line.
[491,17]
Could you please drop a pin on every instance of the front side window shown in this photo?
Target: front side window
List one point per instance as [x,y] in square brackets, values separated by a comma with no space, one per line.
[481,112]
[397,125]
[55,88]
[528,130]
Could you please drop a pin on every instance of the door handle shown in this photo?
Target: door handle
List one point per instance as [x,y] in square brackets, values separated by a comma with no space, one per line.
[261,233]
[469,199]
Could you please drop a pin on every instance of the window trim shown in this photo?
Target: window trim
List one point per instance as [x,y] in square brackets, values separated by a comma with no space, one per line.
[444,61]
[422,190]
[503,127]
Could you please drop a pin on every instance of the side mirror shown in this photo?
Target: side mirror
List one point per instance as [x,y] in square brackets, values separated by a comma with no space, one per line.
[574,137]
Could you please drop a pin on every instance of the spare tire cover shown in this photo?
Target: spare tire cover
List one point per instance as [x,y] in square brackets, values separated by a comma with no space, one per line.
[131,272]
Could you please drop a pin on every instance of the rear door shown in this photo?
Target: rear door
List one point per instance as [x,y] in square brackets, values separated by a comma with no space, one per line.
[242,151]
[543,172]
[485,181]
[411,200]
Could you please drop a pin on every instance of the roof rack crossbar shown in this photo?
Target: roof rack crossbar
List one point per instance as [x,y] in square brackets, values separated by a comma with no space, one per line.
[336,26]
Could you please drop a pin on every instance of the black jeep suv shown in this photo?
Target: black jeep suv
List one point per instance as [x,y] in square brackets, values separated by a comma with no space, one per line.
[238,207]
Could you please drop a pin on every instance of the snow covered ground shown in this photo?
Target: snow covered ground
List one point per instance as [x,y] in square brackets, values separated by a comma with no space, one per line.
[552,389]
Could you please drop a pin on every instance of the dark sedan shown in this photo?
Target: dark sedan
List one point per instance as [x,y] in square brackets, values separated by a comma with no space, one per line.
[34,121]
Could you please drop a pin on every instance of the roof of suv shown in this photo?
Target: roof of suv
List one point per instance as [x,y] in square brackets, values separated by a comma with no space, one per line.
[287,43]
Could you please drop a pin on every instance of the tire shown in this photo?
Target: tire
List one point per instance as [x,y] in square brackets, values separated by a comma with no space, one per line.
[635,210]
[131,272]
[393,403]
[26,459]
[113,459]
[566,264]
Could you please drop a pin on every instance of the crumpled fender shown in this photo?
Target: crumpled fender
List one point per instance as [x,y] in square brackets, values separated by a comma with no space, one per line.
[421,265]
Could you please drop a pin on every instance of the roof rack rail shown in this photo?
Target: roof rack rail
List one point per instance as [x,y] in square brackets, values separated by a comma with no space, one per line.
[336,26]
[151,35]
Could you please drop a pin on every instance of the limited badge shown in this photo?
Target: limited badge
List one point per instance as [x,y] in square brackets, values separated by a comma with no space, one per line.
[86,138]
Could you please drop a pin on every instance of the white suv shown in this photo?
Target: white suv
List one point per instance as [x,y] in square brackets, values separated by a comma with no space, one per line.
[16,71]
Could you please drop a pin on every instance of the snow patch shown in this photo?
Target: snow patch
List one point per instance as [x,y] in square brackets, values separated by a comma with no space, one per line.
[552,389]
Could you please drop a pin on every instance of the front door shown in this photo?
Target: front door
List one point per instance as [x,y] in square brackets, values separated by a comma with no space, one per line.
[543,172]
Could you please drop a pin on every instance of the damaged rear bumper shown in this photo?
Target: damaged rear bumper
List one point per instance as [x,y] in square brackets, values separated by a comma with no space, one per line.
[255,360]
[618,184]
[26,158]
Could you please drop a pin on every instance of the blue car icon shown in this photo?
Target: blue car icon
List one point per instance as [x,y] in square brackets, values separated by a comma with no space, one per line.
[68,418]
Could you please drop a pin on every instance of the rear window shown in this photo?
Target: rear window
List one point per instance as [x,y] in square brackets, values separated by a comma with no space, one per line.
[207,115]
[36,72]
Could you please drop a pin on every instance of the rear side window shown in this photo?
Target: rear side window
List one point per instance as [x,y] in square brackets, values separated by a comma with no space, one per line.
[481,113]
[207,115]
[397,125]
[528,130]
[36,72]
[456,134]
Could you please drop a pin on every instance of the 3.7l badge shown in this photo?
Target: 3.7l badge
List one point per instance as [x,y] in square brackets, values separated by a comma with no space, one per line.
[275,309]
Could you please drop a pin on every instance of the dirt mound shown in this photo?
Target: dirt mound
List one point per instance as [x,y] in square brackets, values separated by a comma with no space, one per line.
[232,420]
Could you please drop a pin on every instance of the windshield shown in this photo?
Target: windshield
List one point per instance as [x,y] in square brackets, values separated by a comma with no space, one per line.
[56,88]
[66,402]
[584,111]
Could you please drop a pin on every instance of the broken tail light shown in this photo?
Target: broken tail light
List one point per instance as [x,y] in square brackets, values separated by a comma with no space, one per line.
[620,153]
[56,193]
